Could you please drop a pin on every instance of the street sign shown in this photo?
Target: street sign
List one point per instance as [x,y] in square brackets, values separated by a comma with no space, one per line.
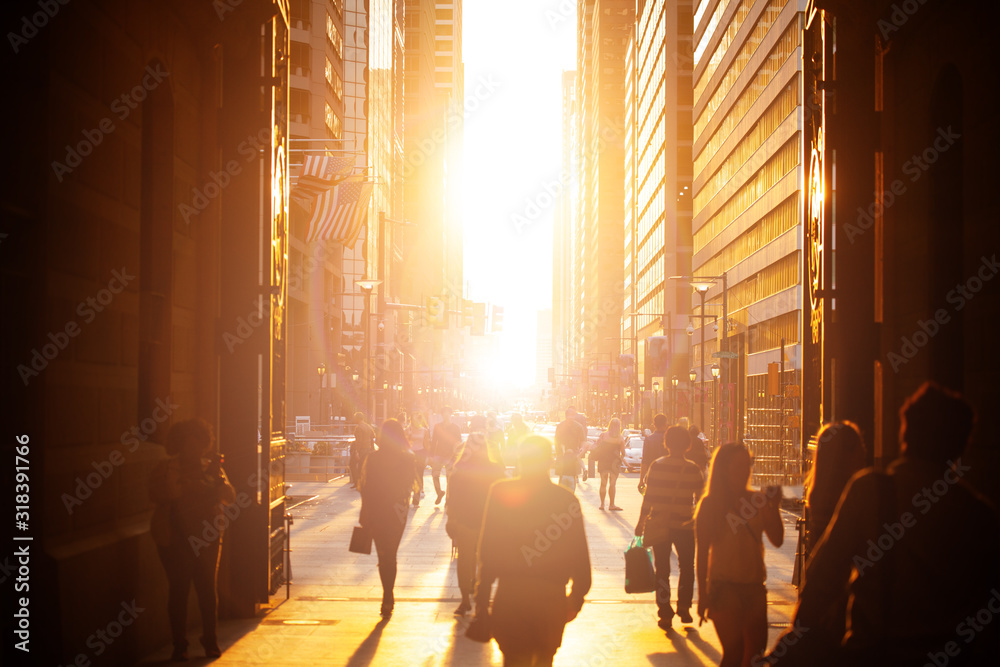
[725,354]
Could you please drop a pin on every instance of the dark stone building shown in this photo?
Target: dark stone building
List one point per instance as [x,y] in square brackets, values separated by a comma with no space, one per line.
[144,235]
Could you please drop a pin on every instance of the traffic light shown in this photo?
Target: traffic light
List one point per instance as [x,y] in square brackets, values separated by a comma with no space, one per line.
[434,311]
[497,319]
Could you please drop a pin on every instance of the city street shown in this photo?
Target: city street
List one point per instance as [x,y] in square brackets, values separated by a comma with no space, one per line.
[332,615]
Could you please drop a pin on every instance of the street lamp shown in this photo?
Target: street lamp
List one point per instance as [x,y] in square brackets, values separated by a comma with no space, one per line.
[693,376]
[368,287]
[320,371]
[716,372]
[673,383]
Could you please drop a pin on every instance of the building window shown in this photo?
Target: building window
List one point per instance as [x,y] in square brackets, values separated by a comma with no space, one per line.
[300,58]
[334,82]
[334,37]
[333,122]
[299,105]
[300,14]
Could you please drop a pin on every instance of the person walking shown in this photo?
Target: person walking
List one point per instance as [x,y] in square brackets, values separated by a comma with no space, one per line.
[730,555]
[666,520]
[387,480]
[445,440]
[468,487]
[419,439]
[698,450]
[189,492]
[653,447]
[916,548]
[531,606]
[840,453]
[569,438]
[363,445]
[518,431]
[609,450]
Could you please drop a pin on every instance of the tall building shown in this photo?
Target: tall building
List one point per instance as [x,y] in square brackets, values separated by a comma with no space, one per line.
[658,168]
[433,352]
[144,283]
[747,217]
[317,318]
[564,241]
[602,40]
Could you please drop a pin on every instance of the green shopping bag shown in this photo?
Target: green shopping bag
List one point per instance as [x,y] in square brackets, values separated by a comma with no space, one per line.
[639,576]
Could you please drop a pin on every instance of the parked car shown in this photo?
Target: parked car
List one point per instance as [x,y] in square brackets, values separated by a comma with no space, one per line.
[633,454]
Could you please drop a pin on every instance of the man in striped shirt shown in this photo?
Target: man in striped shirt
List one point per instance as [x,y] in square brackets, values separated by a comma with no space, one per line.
[673,486]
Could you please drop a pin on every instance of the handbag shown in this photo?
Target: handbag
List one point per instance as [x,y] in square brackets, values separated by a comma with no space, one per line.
[639,576]
[361,541]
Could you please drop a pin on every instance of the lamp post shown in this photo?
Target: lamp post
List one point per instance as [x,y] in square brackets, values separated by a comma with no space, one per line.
[692,376]
[673,384]
[368,287]
[320,371]
[716,372]
[656,397]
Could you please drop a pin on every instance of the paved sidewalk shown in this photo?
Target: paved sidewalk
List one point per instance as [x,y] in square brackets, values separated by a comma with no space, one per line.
[332,615]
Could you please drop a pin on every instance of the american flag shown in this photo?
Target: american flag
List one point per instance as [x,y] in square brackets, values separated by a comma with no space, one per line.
[339,214]
[319,174]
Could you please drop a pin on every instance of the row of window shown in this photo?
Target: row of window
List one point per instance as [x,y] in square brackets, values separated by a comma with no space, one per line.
[784,160]
[767,282]
[765,74]
[724,42]
[334,37]
[767,229]
[765,126]
[786,44]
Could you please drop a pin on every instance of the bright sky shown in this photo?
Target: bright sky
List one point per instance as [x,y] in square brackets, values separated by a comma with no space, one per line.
[515,53]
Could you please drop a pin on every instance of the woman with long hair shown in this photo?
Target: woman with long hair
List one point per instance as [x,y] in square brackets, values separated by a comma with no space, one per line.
[729,524]
[387,481]
[840,453]
[610,448]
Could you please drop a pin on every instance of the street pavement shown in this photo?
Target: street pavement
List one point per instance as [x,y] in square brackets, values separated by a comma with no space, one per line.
[332,616]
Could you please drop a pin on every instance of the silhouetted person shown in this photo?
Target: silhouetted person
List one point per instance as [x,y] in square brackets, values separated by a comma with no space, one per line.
[840,453]
[518,431]
[468,487]
[697,452]
[569,438]
[610,448]
[532,544]
[387,481]
[189,491]
[445,441]
[666,519]
[916,548]
[419,438]
[653,447]
[363,445]
[729,524]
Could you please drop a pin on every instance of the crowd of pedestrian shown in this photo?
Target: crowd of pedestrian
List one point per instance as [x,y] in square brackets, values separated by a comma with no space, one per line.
[695,506]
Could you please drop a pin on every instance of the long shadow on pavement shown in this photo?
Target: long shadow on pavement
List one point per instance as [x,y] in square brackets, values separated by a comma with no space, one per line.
[365,653]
